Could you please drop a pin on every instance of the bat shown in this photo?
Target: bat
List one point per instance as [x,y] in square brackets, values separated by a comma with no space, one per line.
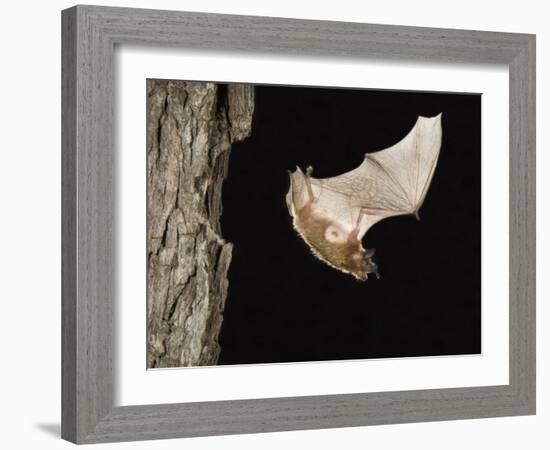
[333,214]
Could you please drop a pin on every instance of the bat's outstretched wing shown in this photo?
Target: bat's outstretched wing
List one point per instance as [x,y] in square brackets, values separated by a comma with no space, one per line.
[390,182]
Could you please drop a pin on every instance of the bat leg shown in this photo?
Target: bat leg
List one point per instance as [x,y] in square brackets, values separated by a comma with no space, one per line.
[362,214]
[354,234]
[309,171]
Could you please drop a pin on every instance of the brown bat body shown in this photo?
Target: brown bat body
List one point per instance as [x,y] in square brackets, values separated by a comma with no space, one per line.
[333,214]
[333,244]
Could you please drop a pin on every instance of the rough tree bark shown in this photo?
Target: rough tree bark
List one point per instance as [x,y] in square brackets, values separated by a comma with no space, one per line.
[190,129]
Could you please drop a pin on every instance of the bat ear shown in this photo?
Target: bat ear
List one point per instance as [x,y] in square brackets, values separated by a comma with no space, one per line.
[369,252]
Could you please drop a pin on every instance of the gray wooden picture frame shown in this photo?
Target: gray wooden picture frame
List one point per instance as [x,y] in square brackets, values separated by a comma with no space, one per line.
[89,36]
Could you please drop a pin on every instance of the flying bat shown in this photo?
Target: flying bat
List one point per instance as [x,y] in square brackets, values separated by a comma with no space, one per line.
[333,214]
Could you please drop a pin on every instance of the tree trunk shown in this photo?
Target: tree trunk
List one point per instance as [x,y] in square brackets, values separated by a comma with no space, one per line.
[190,129]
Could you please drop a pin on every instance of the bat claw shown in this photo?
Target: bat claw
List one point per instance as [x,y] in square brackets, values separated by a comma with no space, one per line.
[309,171]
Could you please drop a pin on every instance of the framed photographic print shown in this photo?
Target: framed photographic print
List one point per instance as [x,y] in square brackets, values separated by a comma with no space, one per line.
[278,224]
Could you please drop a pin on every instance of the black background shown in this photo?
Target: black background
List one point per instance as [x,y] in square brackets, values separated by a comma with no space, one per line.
[284,305]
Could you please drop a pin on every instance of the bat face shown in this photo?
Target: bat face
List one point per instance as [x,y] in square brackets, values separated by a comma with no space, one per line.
[333,214]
